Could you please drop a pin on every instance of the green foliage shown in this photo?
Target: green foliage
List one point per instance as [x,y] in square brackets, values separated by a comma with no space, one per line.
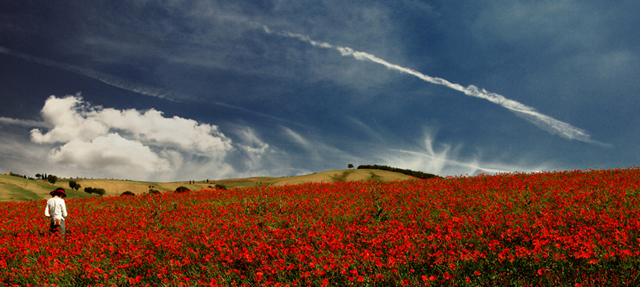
[92,190]
[52,179]
[221,186]
[73,184]
[417,174]
[341,177]
[128,193]
[154,191]
[17,175]
[182,189]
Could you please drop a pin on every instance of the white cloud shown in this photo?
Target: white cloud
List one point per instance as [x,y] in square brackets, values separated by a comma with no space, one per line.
[152,127]
[544,122]
[129,143]
[297,138]
[109,150]
[66,117]
[252,143]
[445,160]
[24,123]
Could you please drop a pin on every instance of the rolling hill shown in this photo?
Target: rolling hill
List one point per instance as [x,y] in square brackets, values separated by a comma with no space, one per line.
[14,188]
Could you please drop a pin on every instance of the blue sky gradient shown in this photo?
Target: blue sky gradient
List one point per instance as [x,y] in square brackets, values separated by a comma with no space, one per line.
[180,90]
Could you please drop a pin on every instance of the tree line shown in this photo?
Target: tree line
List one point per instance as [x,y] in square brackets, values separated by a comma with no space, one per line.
[417,174]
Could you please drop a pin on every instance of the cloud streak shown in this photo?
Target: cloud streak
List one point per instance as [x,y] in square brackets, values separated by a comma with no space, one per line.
[107,79]
[544,122]
[445,160]
[122,84]
[24,123]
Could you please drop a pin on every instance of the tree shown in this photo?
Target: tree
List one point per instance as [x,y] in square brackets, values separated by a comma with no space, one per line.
[73,184]
[128,193]
[38,175]
[350,166]
[99,191]
[52,179]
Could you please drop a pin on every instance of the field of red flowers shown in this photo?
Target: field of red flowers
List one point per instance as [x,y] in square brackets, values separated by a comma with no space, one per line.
[575,228]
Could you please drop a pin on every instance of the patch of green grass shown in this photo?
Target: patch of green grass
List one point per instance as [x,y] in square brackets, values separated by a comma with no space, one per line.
[342,177]
[19,193]
[72,193]
[375,177]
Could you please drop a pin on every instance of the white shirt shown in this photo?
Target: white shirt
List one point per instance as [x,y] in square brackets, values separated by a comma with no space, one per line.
[56,208]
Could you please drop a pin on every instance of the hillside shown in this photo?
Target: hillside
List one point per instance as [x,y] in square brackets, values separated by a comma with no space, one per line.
[19,189]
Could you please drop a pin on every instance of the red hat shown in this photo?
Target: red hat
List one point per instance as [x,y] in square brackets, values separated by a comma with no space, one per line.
[59,191]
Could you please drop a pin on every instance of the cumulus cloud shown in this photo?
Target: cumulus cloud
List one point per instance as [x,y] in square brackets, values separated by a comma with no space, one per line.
[69,122]
[152,127]
[126,142]
[109,150]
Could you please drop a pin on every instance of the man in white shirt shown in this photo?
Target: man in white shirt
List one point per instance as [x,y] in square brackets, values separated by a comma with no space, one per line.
[56,210]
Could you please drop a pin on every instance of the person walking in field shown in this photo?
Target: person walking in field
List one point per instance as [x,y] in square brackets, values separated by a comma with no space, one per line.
[56,210]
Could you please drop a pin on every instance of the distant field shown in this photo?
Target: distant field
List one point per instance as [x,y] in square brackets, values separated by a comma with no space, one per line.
[343,175]
[19,189]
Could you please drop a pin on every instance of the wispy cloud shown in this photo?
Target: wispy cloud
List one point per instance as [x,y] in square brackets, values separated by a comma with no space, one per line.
[544,122]
[107,79]
[24,123]
[126,85]
[445,160]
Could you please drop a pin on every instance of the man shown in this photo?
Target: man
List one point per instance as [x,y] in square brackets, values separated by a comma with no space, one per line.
[56,210]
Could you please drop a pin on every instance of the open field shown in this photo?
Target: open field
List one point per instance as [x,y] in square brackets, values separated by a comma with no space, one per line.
[19,189]
[574,228]
[325,176]
[14,188]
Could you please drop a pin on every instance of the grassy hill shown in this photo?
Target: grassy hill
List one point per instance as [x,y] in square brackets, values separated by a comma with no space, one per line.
[21,189]
[14,188]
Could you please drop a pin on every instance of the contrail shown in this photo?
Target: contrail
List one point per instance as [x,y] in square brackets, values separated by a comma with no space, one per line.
[25,123]
[121,83]
[107,79]
[544,122]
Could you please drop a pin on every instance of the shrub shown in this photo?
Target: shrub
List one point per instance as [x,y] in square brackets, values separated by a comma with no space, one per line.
[17,175]
[128,193]
[98,191]
[182,189]
[74,185]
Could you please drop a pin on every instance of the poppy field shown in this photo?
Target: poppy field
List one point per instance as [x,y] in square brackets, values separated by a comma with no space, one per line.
[573,228]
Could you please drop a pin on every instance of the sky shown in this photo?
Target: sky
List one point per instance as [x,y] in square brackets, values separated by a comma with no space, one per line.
[201,89]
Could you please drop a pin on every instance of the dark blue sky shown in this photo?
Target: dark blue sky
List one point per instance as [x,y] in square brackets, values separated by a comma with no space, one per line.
[179,90]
